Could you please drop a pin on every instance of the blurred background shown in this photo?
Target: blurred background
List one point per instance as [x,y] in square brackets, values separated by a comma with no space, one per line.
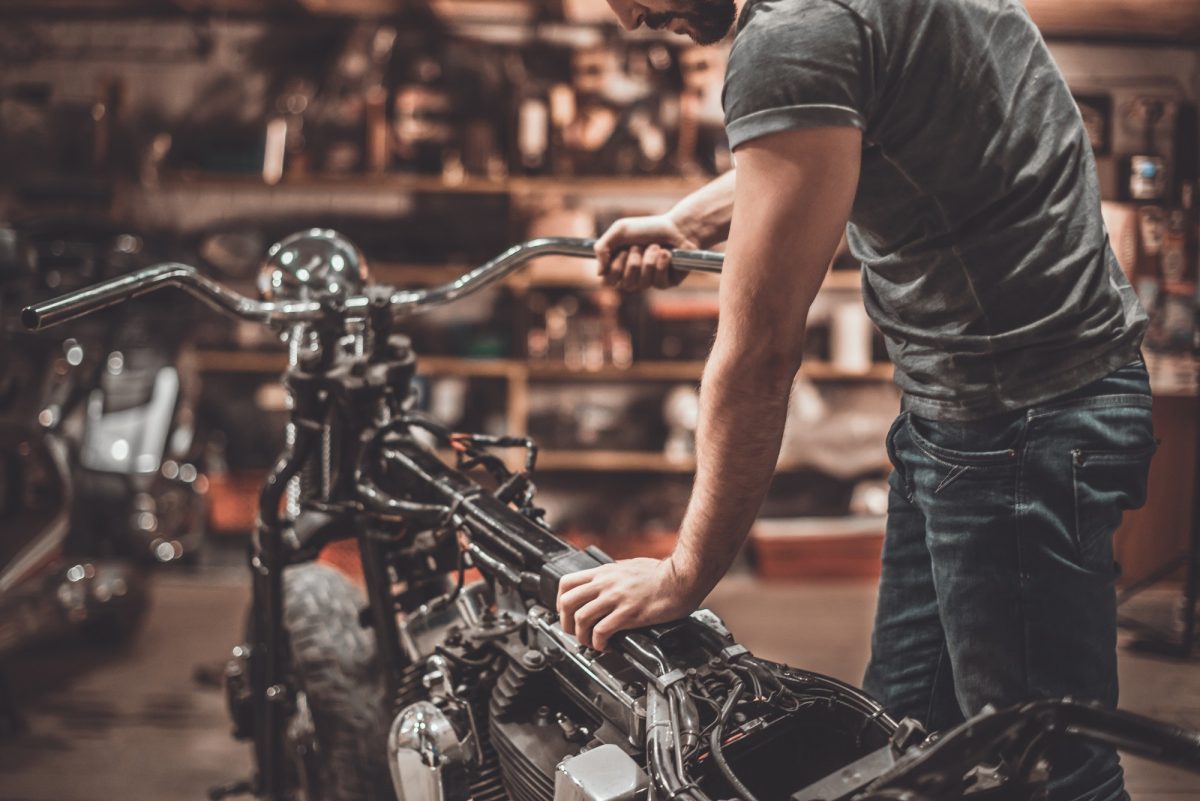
[436,134]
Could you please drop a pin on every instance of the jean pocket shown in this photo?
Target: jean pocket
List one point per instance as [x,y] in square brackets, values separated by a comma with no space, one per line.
[995,447]
[1106,484]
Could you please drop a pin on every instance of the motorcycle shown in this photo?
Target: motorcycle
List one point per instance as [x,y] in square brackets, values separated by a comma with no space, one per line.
[96,476]
[444,689]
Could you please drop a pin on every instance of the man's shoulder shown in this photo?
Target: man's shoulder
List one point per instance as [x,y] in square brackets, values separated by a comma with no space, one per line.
[764,14]
[776,24]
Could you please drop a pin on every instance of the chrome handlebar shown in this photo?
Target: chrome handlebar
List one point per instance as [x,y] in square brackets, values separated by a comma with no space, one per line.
[403,302]
[109,293]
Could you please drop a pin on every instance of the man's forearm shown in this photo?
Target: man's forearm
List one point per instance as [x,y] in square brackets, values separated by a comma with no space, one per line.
[794,193]
[704,215]
[744,402]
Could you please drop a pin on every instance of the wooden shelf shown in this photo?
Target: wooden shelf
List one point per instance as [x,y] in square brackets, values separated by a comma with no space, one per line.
[611,461]
[693,370]
[638,371]
[396,273]
[241,361]
[843,280]
[616,186]
[236,361]
[1177,20]
[587,460]
[471,368]
[826,371]
[251,361]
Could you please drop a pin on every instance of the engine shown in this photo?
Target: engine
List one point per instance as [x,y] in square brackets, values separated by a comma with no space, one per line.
[500,702]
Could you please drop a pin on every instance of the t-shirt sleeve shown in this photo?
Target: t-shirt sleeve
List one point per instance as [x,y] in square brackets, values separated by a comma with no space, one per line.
[797,64]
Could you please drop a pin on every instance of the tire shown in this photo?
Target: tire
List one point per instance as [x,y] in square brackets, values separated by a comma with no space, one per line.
[115,620]
[336,669]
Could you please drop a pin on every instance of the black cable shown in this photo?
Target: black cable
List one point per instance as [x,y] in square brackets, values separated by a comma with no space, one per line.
[714,743]
[676,717]
[755,684]
[461,564]
[643,652]
[463,660]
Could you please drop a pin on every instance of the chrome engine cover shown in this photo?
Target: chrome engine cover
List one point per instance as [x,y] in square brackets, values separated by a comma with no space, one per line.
[604,773]
[427,758]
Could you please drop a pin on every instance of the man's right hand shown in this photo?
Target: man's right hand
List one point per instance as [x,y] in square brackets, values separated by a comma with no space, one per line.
[635,252]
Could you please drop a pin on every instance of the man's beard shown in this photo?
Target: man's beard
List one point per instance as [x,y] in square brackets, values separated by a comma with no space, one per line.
[707,20]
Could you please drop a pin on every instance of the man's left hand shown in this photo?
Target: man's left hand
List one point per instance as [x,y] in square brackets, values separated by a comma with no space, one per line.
[595,604]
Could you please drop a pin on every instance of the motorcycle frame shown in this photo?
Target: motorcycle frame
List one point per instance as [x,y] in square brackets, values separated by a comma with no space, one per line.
[341,406]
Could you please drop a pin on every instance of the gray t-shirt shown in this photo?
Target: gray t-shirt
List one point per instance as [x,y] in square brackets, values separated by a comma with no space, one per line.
[985,259]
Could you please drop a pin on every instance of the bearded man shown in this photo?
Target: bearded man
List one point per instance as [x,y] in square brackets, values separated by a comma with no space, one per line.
[942,132]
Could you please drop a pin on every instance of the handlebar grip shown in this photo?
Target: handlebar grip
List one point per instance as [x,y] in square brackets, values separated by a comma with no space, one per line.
[98,296]
[703,261]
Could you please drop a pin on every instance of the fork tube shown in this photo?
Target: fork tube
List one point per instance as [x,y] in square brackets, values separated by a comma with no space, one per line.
[293,487]
[382,608]
[269,657]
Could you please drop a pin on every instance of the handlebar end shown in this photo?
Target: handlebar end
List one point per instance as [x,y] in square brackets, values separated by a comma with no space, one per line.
[30,318]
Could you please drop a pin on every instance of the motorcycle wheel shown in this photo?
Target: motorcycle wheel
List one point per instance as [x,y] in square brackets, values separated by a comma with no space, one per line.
[119,597]
[338,736]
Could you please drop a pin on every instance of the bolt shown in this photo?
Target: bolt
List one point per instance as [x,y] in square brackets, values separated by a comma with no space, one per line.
[275,692]
[533,659]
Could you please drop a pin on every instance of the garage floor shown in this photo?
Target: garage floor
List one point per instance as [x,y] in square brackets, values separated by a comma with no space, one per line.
[138,725]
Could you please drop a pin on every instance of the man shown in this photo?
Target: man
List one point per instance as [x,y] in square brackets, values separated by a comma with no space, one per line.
[944,133]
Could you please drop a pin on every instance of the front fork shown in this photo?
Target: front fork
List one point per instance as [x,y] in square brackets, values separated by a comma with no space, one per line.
[272,697]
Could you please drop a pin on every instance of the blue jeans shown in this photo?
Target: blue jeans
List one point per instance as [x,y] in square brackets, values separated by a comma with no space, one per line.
[998,573]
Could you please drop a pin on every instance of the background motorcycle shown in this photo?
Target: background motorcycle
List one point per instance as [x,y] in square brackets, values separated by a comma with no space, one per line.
[97,475]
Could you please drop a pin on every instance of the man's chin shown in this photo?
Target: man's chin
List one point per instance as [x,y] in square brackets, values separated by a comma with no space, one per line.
[703,39]
[700,34]
[696,36]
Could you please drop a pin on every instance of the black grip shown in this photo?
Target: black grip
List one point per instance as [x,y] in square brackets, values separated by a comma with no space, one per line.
[98,296]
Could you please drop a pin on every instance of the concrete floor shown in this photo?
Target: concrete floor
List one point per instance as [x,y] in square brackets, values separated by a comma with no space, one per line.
[137,726]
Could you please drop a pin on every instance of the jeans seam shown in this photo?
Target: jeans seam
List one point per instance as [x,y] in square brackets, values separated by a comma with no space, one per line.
[1082,455]
[1022,574]
[1133,399]
[1076,539]
[943,658]
[893,453]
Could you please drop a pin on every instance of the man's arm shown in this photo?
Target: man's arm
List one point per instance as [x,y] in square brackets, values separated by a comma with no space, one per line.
[793,195]
[634,253]
[705,214]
